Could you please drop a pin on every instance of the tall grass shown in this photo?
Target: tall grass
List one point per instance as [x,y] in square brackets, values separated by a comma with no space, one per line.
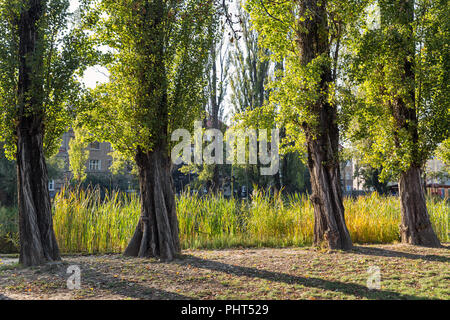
[86,223]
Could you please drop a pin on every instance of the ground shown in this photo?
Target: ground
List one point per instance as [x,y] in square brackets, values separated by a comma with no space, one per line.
[406,272]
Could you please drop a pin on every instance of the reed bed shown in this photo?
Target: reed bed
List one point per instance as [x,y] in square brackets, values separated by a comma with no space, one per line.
[86,222]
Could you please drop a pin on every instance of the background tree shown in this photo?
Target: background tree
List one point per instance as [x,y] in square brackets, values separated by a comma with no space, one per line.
[217,88]
[248,83]
[39,57]
[159,52]
[8,181]
[399,68]
[443,153]
[79,154]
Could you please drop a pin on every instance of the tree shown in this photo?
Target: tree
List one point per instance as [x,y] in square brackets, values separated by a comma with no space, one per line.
[217,88]
[303,34]
[159,51]
[371,179]
[400,67]
[443,153]
[79,154]
[8,180]
[248,87]
[38,59]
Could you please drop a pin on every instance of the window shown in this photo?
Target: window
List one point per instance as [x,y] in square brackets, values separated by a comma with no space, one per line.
[51,185]
[94,145]
[94,165]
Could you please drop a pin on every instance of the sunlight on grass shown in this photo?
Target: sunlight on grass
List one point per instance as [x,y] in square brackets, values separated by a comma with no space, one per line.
[86,223]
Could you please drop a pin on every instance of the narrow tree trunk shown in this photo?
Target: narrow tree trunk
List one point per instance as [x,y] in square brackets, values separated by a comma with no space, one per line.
[416,226]
[37,239]
[156,234]
[215,183]
[323,136]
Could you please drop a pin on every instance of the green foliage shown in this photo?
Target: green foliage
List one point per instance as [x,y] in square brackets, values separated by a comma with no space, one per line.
[158,51]
[9,230]
[79,154]
[297,87]
[443,153]
[56,167]
[61,56]
[9,221]
[377,59]
[251,66]
[8,176]
[8,179]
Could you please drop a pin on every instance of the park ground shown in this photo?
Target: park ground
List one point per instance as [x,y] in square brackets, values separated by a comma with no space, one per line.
[407,272]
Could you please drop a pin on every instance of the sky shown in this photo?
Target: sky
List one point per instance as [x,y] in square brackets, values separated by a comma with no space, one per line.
[92,75]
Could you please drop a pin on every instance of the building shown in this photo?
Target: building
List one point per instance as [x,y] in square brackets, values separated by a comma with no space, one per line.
[436,184]
[347,172]
[99,161]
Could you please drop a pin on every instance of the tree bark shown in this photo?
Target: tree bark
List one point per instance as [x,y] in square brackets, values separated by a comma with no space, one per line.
[323,136]
[416,228]
[37,239]
[323,163]
[157,233]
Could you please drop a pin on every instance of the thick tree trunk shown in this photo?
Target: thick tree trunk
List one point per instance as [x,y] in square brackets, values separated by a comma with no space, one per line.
[156,234]
[37,239]
[416,226]
[330,228]
[323,136]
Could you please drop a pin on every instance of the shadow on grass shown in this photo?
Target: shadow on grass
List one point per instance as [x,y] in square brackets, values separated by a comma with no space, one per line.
[398,254]
[95,279]
[346,288]
[126,287]
[2,297]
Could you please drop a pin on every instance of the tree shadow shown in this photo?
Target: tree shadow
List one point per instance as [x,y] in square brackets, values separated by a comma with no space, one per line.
[122,287]
[3,297]
[346,288]
[398,254]
[92,278]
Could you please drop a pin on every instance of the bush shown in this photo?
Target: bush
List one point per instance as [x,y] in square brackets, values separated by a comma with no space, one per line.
[9,230]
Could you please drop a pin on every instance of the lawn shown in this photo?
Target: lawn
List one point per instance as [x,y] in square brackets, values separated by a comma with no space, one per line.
[407,272]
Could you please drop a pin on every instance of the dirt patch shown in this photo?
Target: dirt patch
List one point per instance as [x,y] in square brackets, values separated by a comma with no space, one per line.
[406,272]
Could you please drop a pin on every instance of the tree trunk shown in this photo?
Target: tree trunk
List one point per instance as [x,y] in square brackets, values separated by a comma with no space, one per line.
[214,116]
[156,234]
[323,136]
[416,226]
[37,239]
[323,162]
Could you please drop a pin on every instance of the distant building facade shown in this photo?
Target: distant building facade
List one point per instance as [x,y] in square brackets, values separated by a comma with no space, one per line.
[99,161]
